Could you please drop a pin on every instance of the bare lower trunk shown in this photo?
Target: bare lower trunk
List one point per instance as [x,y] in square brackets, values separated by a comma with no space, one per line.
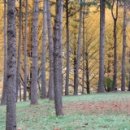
[57,58]
[115,17]
[11,65]
[3,100]
[68,49]
[101,87]
[25,52]
[43,76]
[123,72]
[34,90]
[18,87]
[50,38]
[76,83]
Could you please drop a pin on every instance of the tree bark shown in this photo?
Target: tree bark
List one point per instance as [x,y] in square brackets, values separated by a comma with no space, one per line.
[68,49]
[115,17]
[101,87]
[57,58]
[25,53]
[11,65]
[18,87]
[4,97]
[76,83]
[123,72]
[50,38]
[34,90]
[43,76]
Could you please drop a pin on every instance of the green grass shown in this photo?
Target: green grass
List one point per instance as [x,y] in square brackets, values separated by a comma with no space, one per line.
[42,116]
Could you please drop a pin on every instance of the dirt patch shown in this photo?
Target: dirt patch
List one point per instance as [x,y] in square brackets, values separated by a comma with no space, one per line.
[99,107]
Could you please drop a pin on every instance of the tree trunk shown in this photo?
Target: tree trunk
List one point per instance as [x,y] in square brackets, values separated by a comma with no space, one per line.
[115,17]
[68,50]
[34,93]
[25,53]
[57,58]
[18,87]
[43,76]
[50,38]
[76,83]
[11,65]
[101,87]
[83,74]
[123,72]
[3,100]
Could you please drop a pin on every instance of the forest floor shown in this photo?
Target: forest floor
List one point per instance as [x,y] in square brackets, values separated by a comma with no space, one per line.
[88,112]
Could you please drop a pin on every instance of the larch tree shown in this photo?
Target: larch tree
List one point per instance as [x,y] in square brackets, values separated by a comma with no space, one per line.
[101,87]
[68,49]
[44,40]
[34,80]
[25,52]
[51,59]
[115,18]
[3,99]
[123,71]
[76,77]
[57,58]
[18,86]
[11,65]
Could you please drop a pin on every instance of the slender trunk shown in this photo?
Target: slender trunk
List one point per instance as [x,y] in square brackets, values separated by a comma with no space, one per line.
[34,90]
[68,49]
[50,38]
[57,58]
[115,17]
[114,87]
[123,72]
[76,83]
[11,65]
[3,100]
[83,74]
[43,76]
[25,52]
[101,87]
[18,87]
[87,73]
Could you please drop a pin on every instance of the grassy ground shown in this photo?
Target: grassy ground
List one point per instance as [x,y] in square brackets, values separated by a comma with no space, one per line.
[42,116]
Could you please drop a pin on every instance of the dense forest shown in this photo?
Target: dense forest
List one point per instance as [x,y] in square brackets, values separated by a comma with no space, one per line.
[56,48]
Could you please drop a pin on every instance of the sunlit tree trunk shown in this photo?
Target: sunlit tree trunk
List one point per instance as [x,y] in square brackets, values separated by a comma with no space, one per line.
[50,39]
[3,99]
[101,87]
[57,58]
[11,65]
[123,72]
[44,40]
[34,90]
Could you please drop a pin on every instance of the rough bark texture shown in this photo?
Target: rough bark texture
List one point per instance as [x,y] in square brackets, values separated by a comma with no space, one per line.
[50,38]
[3,99]
[34,90]
[68,50]
[44,40]
[11,65]
[76,83]
[123,72]
[101,87]
[18,87]
[57,59]
[25,53]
